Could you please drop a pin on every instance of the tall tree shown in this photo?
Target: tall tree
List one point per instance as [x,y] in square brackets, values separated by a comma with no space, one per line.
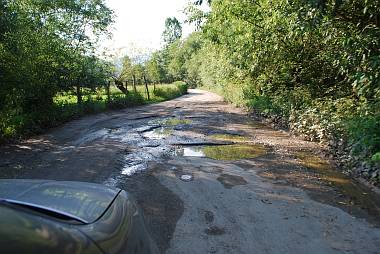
[154,69]
[173,30]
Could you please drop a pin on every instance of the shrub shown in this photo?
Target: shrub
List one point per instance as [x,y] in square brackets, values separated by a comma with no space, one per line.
[171,91]
[122,101]
[181,86]
[364,134]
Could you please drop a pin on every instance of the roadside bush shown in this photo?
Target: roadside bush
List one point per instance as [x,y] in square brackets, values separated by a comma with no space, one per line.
[364,135]
[123,101]
[181,86]
[263,104]
[170,92]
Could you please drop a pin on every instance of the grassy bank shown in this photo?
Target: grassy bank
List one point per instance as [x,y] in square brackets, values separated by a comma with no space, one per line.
[14,124]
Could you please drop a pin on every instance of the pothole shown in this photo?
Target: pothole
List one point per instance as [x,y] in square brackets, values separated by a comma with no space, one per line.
[193,152]
[229,137]
[186,178]
[352,194]
[215,230]
[158,133]
[170,122]
[230,181]
[209,216]
[225,152]
[113,129]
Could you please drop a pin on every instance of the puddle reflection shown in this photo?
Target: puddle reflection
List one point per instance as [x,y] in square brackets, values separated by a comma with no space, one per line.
[224,152]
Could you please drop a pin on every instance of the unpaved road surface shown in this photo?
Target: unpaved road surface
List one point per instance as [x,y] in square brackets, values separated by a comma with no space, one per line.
[209,179]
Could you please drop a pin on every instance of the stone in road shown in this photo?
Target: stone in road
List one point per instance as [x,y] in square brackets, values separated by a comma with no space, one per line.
[209,179]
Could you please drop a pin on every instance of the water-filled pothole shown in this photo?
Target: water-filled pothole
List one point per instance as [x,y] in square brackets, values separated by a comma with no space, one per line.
[229,137]
[225,152]
[352,192]
[193,152]
[175,122]
[158,133]
[170,122]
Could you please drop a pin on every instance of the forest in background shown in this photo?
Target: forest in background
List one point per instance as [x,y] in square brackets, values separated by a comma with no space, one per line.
[311,65]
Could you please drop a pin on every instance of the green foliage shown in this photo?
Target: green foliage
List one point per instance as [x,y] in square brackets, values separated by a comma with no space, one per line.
[166,93]
[262,104]
[131,99]
[173,30]
[45,48]
[155,70]
[181,86]
[376,157]
[364,133]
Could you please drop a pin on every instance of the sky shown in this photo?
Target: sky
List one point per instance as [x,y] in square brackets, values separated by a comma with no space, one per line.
[139,23]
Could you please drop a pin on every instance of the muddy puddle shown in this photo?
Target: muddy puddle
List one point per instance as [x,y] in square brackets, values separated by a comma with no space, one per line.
[193,152]
[229,137]
[353,196]
[224,152]
[171,122]
[158,133]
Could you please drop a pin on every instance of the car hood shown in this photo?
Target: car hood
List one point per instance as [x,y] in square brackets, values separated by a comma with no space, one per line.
[85,202]
[22,232]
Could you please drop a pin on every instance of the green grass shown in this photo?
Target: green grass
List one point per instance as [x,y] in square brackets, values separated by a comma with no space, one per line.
[163,92]
[15,123]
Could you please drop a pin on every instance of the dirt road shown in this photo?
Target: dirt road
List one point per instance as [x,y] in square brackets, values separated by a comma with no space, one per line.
[209,179]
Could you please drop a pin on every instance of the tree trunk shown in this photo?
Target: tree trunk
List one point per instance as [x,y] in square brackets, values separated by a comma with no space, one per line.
[154,86]
[108,91]
[120,86]
[146,87]
[79,94]
[134,83]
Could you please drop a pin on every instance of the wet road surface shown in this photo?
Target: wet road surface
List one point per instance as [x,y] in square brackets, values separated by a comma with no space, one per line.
[209,178]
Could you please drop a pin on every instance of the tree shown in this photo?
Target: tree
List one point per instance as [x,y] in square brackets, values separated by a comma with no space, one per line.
[173,30]
[52,37]
[154,69]
[200,2]
[46,47]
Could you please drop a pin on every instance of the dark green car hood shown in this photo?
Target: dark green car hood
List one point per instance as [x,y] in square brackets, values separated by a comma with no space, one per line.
[83,202]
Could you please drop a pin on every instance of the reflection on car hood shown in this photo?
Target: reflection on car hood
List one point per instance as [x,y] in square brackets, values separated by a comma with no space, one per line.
[84,201]
[22,232]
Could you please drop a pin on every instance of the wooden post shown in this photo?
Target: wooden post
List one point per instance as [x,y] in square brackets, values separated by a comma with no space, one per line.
[79,94]
[146,87]
[134,83]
